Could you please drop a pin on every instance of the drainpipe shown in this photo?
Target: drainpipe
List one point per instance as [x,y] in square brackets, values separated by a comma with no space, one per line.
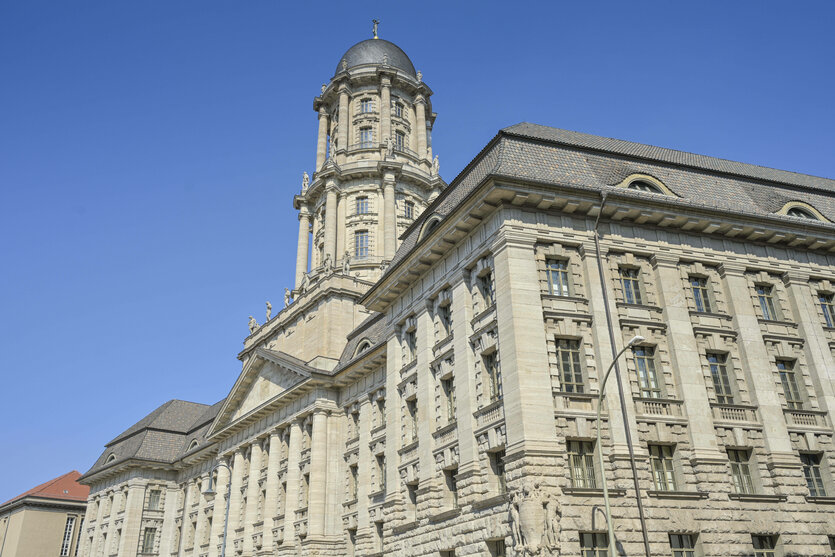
[620,383]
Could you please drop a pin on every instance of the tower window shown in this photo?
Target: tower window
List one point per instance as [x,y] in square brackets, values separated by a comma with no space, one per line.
[409,210]
[361,244]
[398,110]
[366,137]
[399,140]
[362,205]
[366,106]
[828,307]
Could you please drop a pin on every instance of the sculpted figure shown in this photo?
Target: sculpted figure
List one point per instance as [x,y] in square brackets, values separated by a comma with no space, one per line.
[515,526]
[551,536]
[286,297]
[305,283]
[374,28]
[305,182]
[385,59]
[346,263]
[344,64]
[332,150]
[389,147]
[269,310]
[323,88]
[436,167]
[327,263]
[420,76]
[253,324]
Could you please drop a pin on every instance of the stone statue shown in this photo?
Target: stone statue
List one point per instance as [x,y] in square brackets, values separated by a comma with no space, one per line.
[534,520]
[332,150]
[253,324]
[305,182]
[286,297]
[385,59]
[305,283]
[323,88]
[420,76]
[436,167]
[344,64]
[327,263]
[269,310]
[346,263]
[374,28]
[515,526]
[389,147]
[551,536]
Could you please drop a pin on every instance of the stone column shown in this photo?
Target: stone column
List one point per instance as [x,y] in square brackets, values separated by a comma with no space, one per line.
[234,500]
[252,496]
[686,360]
[428,483]
[291,498]
[379,237]
[523,349]
[389,219]
[344,124]
[341,213]
[393,439]
[169,521]
[318,475]
[464,381]
[271,500]
[420,109]
[335,480]
[363,467]
[330,222]
[94,548]
[385,108]
[129,543]
[322,140]
[219,512]
[303,246]
[756,360]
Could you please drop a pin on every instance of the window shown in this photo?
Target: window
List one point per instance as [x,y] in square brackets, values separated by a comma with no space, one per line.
[366,137]
[700,295]
[647,378]
[594,544]
[765,297]
[497,469]
[828,306]
[557,271]
[78,539]
[445,320]
[409,210]
[352,542]
[452,487]
[682,545]
[787,377]
[398,110]
[764,546]
[362,205]
[381,412]
[399,140]
[740,471]
[581,464]
[448,389]
[629,279]
[661,461]
[800,213]
[642,185]
[305,490]
[449,553]
[497,548]
[485,285]
[379,531]
[361,244]
[411,501]
[568,360]
[366,106]
[812,473]
[721,380]
[153,499]
[411,422]
[831,545]
[67,541]
[381,472]
[148,540]
[352,482]
[494,376]
[410,346]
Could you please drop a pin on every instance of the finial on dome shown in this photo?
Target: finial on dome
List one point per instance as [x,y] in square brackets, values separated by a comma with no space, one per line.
[374,28]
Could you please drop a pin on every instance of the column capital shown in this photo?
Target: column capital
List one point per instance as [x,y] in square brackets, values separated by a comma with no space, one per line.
[304,211]
[330,186]
[731,269]
[662,259]
[795,277]
[419,99]
[323,112]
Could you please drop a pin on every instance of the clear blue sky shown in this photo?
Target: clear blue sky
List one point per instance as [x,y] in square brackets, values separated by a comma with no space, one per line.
[149,152]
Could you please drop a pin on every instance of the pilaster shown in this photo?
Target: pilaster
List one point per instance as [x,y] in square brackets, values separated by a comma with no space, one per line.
[322,138]
[303,246]
[219,512]
[318,475]
[271,500]
[293,478]
[363,464]
[389,218]
[129,544]
[330,221]
[169,521]
[385,108]
[252,496]
[235,500]
[463,379]
[341,215]
[344,125]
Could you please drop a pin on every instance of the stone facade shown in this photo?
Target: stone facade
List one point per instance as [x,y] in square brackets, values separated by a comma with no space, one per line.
[436,393]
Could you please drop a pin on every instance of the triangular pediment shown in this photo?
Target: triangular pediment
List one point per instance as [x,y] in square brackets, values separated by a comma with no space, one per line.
[267,375]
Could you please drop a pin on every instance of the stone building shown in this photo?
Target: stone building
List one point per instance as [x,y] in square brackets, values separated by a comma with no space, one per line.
[432,387]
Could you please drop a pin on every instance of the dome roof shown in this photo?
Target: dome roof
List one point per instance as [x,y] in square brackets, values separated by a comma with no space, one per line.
[372,51]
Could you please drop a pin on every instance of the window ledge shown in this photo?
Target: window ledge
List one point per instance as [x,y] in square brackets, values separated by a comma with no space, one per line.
[725,316]
[592,492]
[406,448]
[663,494]
[484,313]
[349,502]
[405,527]
[489,501]
[445,514]
[549,296]
[822,500]
[639,306]
[756,497]
[377,493]
[791,324]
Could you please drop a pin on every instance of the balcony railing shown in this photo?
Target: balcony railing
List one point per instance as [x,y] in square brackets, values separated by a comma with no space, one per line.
[658,407]
[734,413]
[810,418]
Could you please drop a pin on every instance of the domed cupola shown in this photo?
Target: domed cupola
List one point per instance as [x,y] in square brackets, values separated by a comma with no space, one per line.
[376,52]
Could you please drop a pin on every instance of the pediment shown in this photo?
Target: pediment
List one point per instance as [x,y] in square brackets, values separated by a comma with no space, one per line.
[267,375]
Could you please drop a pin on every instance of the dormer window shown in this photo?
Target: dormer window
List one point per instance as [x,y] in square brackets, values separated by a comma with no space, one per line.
[800,213]
[800,210]
[366,106]
[643,185]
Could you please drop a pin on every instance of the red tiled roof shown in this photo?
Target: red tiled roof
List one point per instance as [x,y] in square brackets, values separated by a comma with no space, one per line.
[63,487]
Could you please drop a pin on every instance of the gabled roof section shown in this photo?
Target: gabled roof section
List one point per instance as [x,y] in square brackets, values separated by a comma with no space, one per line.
[64,488]
[175,416]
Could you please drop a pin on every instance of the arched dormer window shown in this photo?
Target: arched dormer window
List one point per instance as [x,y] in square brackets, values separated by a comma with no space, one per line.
[193,445]
[110,458]
[430,225]
[645,183]
[801,210]
[362,347]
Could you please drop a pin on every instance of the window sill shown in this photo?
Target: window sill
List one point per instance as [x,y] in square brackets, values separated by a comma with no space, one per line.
[756,497]
[445,514]
[694,313]
[791,324]
[592,492]
[663,494]
[638,306]
[484,313]
[821,500]
[405,527]
[378,493]
[408,447]
[350,502]
[498,499]
[549,296]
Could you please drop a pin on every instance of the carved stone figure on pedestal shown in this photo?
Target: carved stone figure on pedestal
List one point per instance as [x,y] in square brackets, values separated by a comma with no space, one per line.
[389,147]
[534,520]
[305,182]
[346,263]
[420,76]
[327,263]
[253,324]
[436,167]
[286,297]
[269,310]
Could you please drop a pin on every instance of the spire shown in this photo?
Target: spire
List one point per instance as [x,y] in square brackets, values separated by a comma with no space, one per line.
[374,27]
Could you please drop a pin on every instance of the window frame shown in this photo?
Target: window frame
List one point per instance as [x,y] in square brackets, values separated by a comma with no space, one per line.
[795,399]
[366,137]
[722,381]
[662,466]
[765,298]
[366,105]
[770,542]
[683,545]
[361,205]
[742,482]
[66,541]
[361,241]
[558,275]
[594,544]
[409,210]
[145,540]
[570,365]
[648,383]
[813,473]
[630,282]
[581,463]
[494,376]
[827,304]
[701,293]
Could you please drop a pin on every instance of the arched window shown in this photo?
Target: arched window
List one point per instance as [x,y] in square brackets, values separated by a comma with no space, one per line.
[362,347]
[801,210]
[110,459]
[430,225]
[643,185]
[193,445]
[800,213]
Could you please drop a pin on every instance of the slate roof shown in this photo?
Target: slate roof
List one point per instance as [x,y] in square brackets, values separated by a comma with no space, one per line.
[373,329]
[64,488]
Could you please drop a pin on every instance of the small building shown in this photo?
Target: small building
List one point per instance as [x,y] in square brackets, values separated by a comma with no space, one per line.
[46,520]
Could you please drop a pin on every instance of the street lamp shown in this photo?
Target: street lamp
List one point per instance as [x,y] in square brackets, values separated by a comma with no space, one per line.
[635,340]
[210,493]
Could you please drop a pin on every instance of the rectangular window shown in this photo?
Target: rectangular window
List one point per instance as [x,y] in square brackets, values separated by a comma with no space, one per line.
[497,468]
[789,381]
[497,548]
[581,464]
[78,539]
[352,482]
[485,284]
[594,544]
[661,461]
[381,412]
[766,298]
[148,540]
[812,473]
[647,378]
[700,297]
[411,423]
[153,499]
[362,205]
[452,487]
[410,345]
[445,320]
[411,501]
[366,137]
[557,271]
[832,545]
[764,546]
[827,303]
[381,472]
[398,110]
[740,471]
[361,244]
[379,531]
[409,210]
[366,106]
[448,388]
[67,541]
[494,376]
[721,379]
[630,281]
[568,360]
[399,141]
[683,545]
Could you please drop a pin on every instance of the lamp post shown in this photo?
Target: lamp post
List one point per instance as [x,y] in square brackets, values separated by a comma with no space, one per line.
[210,493]
[636,339]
